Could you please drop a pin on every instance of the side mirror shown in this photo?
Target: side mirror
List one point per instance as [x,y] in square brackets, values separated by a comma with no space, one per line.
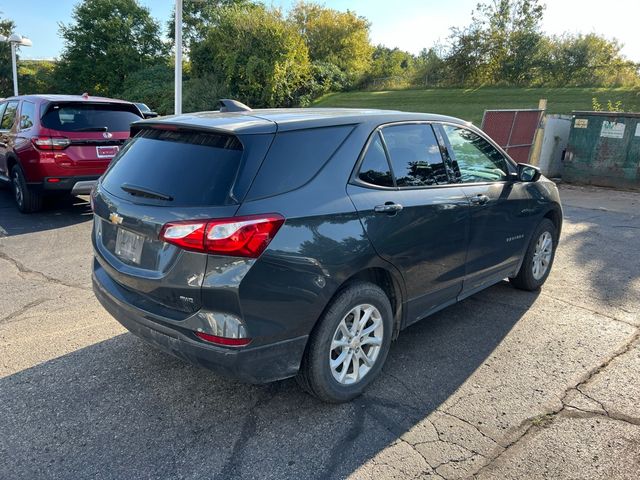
[528,173]
[149,114]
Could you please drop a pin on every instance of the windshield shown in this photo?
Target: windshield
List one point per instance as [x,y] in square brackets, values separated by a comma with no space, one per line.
[86,117]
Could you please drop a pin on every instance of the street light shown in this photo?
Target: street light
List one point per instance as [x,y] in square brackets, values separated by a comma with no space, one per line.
[15,40]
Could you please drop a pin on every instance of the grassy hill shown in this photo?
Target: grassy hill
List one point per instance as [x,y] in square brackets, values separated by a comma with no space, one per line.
[470,104]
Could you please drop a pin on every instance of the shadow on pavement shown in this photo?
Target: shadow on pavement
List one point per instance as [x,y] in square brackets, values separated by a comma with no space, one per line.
[59,211]
[120,409]
[605,247]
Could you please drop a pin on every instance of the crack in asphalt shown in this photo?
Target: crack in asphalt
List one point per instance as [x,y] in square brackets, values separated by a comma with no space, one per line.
[249,428]
[24,270]
[590,310]
[23,310]
[548,417]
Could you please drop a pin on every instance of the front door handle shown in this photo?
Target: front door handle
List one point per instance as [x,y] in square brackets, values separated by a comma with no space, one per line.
[389,207]
[480,199]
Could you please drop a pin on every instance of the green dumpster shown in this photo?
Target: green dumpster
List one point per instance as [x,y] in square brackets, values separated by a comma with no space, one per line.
[604,149]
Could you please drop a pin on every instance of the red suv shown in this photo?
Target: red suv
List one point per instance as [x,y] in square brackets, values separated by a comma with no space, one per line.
[59,143]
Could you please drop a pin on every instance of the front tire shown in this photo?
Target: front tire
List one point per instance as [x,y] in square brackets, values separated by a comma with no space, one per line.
[349,346]
[538,259]
[27,199]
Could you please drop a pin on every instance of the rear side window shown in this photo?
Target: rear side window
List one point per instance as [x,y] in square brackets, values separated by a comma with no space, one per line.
[9,116]
[88,117]
[375,167]
[191,168]
[295,157]
[415,155]
[27,115]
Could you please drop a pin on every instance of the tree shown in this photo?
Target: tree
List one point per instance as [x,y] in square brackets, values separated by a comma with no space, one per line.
[499,45]
[6,73]
[391,68]
[338,38]
[36,76]
[587,60]
[108,41]
[198,17]
[256,54]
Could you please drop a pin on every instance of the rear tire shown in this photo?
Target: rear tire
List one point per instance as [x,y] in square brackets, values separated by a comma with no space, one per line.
[27,199]
[538,259]
[349,345]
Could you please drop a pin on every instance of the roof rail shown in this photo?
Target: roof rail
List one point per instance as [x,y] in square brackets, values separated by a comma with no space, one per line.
[228,105]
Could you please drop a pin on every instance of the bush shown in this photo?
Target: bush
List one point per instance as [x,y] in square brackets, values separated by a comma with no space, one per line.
[153,86]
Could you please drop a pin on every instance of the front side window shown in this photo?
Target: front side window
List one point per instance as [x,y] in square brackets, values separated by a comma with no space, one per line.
[375,167]
[27,115]
[9,116]
[474,159]
[415,155]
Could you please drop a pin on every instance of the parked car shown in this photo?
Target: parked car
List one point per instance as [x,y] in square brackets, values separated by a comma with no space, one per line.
[145,110]
[59,143]
[268,244]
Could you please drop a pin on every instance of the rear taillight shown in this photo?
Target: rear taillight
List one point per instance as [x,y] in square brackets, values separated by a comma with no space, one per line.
[239,236]
[51,143]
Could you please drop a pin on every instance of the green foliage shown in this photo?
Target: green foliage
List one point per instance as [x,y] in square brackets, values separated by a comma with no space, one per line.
[611,106]
[36,76]
[6,74]
[259,56]
[151,85]
[108,41]
[499,45]
[333,37]
[391,68]
[198,17]
[584,60]
[203,93]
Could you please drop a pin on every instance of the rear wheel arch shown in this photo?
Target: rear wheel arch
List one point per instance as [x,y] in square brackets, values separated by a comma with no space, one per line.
[389,284]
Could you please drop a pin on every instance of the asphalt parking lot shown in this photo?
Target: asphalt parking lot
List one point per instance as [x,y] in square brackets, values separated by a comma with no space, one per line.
[506,384]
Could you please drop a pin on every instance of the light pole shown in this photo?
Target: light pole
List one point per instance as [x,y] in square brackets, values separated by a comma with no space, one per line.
[177,104]
[15,40]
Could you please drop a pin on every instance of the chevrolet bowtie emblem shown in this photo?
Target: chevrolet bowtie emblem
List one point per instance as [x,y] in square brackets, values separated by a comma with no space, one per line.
[115,218]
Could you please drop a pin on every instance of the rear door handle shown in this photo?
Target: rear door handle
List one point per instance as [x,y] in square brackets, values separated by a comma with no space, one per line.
[480,199]
[388,207]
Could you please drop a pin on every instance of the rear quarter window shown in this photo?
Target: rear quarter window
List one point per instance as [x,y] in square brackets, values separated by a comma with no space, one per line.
[295,157]
[192,168]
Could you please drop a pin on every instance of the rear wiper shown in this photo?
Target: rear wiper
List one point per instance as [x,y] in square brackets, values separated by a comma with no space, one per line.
[93,129]
[144,192]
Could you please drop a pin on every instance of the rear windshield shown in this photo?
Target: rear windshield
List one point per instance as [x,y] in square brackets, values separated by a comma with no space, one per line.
[191,168]
[87,117]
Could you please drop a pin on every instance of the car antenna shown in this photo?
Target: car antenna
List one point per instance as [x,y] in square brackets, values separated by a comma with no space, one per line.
[229,105]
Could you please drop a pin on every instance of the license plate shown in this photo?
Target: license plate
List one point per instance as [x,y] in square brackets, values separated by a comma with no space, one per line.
[107,151]
[129,245]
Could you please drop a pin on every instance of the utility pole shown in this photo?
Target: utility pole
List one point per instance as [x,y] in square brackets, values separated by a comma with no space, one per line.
[177,105]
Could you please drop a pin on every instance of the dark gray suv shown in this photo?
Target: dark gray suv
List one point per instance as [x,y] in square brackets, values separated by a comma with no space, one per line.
[267,244]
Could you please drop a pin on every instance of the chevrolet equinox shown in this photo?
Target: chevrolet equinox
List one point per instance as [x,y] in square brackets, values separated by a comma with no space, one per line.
[267,244]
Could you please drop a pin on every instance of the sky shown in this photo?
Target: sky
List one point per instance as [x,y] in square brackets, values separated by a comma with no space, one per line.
[407,24]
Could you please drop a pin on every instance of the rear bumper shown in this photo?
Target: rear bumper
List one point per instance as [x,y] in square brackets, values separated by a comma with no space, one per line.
[77,185]
[261,364]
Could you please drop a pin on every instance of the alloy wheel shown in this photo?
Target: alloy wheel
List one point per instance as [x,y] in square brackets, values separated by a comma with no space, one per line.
[356,344]
[17,188]
[542,255]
